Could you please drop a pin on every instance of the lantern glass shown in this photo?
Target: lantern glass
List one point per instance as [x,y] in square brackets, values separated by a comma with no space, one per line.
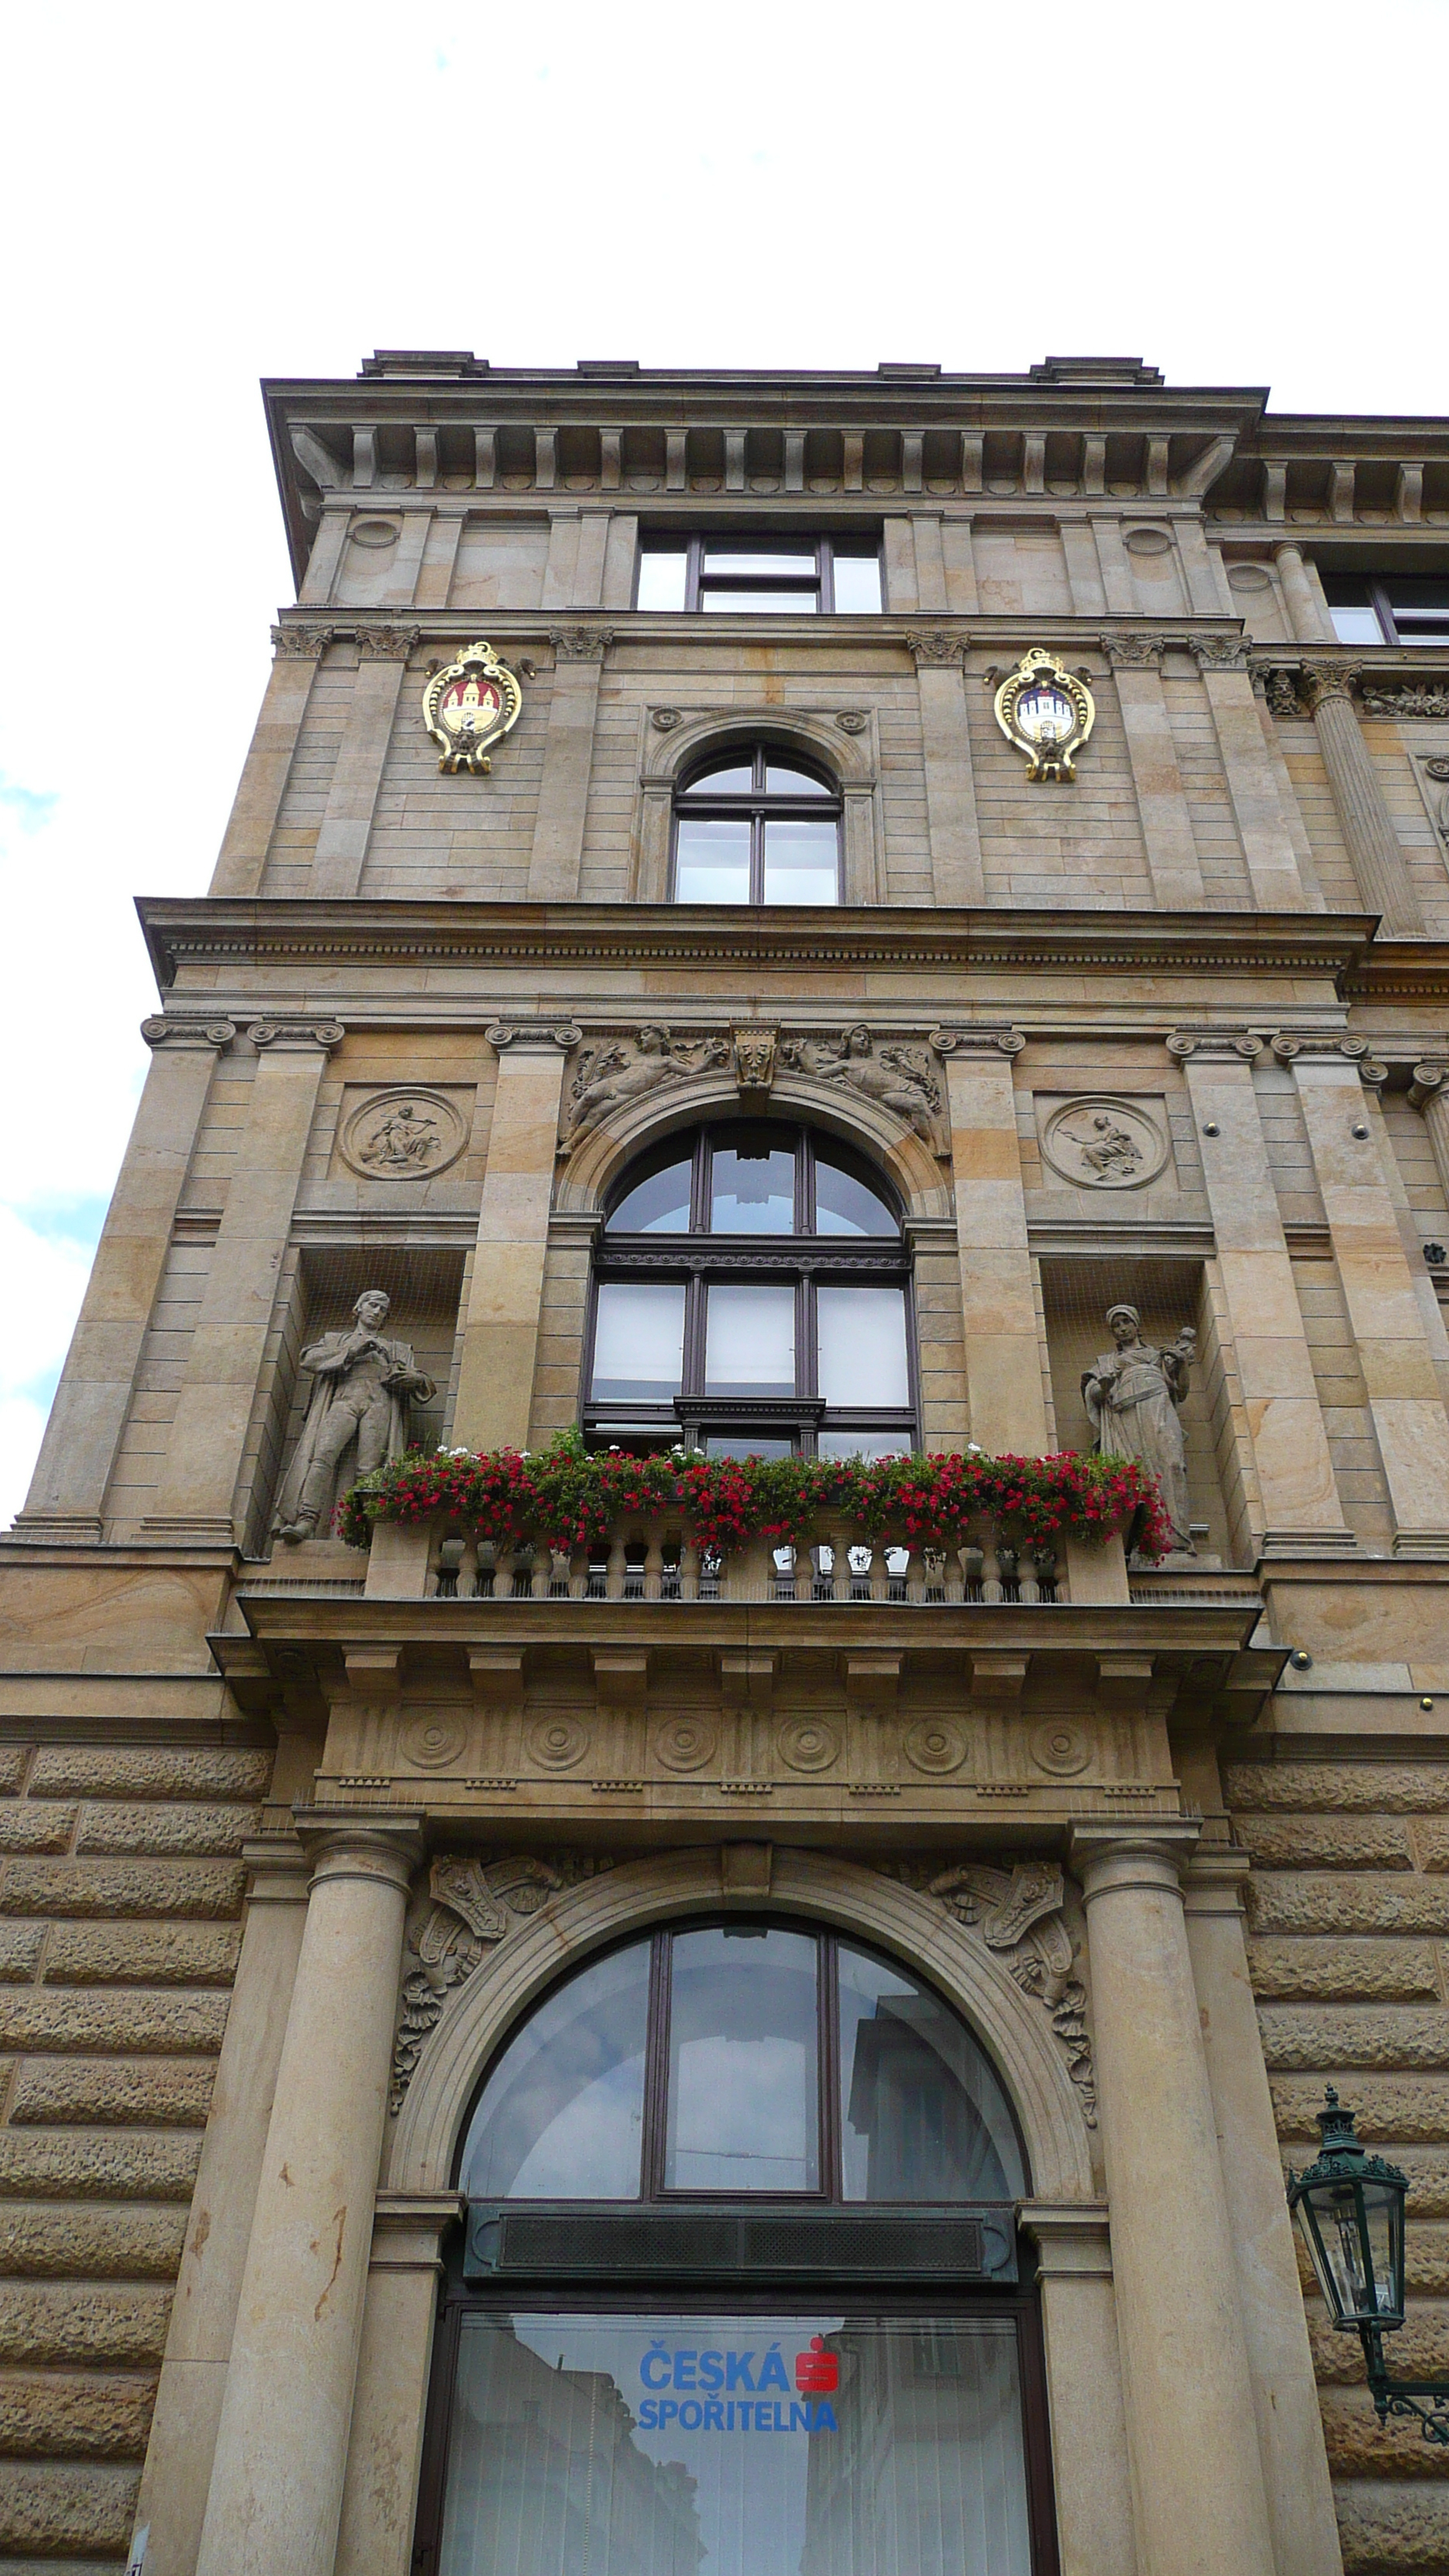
[1354,2231]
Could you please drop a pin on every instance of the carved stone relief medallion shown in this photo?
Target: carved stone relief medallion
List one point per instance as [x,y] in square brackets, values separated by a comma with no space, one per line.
[404,1134]
[936,1745]
[434,1740]
[556,1743]
[1060,1747]
[808,1743]
[686,1743]
[1100,1143]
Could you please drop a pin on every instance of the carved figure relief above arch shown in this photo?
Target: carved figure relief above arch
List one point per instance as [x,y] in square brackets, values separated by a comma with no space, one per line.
[914,1924]
[667,755]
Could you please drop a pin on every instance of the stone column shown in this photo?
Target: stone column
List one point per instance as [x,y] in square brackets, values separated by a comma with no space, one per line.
[1167,831]
[955,834]
[247,841]
[1263,830]
[1375,851]
[68,1489]
[568,754]
[1307,614]
[1005,1399]
[346,826]
[1297,1492]
[1084,2378]
[198,2344]
[1192,2439]
[196,1495]
[1285,2396]
[276,2488]
[505,1294]
[385,2445]
[1379,1291]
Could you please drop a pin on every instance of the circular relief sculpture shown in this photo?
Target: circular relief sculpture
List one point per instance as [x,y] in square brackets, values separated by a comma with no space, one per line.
[1060,1747]
[936,1744]
[403,1135]
[557,1743]
[1102,1144]
[432,1741]
[808,1744]
[686,1743]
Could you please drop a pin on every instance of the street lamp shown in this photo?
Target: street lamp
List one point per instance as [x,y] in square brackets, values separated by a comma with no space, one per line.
[1350,2212]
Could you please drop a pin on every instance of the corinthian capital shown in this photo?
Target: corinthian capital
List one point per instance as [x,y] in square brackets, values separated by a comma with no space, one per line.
[299,643]
[1133,652]
[387,643]
[936,650]
[1320,681]
[580,643]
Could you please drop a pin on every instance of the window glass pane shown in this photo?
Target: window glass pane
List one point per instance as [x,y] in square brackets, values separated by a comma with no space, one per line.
[863,1444]
[659,1205]
[774,563]
[662,578]
[712,862]
[749,1344]
[561,2115]
[1356,626]
[1417,598]
[760,603]
[638,1341]
[857,585]
[758,2444]
[752,1189]
[792,782]
[730,780]
[802,862]
[844,1205]
[862,1339]
[746,1444]
[744,2108]
[922,2115]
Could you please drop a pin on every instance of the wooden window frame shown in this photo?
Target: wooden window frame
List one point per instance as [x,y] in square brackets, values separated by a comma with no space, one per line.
[818,586]
[758,806]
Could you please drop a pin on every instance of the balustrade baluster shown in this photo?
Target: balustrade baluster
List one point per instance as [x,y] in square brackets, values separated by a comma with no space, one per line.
[617,1575]
[653,1565]
[973,1572]
[689,1572]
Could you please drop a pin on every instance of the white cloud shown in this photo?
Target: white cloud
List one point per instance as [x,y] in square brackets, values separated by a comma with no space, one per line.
[195,198]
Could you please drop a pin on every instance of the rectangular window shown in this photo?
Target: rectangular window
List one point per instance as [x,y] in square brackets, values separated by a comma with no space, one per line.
[712,859]
[638,1341]
[753,2444]
[749,1346]
[1387,608]
[744,2074]
[863,1346]
[761,576]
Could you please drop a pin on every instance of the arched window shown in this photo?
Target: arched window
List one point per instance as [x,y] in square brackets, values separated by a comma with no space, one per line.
[739,2288]
[757,825]
[751,1293]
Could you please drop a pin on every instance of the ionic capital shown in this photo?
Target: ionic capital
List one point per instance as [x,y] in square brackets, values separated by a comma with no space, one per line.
[291,1037]
[1214,1045]
[1429,1081]
[528,1034]
[988,1040]
[163,1031]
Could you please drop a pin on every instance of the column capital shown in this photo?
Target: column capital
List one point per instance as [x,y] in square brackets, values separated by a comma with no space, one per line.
[292,1037]
[528,1036]
[341,1843]
[1289,1044]
[1319,682]
[992,1039]
[580,643]
[301,642]
[1109,1857]
[387,643]
[1215,1045]
[161,1030]
[276,1866]
[1429,1081]
[1214,1878]
[935,649]
[1219,652]
[1133,652]
[1072,2237]
[408,2228]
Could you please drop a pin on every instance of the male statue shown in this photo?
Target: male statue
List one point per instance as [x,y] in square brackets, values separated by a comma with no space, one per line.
[359,1404]
[1132,1393]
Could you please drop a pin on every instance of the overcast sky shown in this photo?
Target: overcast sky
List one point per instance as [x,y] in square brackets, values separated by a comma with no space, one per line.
[194,198]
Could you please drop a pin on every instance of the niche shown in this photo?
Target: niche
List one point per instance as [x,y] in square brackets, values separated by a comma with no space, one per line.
[1167,1294]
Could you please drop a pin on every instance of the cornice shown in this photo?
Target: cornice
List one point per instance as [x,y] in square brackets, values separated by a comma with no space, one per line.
[224,933]
[1399,970]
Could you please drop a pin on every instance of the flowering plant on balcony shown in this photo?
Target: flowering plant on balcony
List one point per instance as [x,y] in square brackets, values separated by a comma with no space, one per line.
[570,1498]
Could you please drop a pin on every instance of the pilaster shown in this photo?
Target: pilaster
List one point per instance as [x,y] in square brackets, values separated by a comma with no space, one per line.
[298,648]
[1167,833]
[1267,842]
[346,826]
[1005,1399]
[955,833]
[568,751]
[501,1326]
[385,2440]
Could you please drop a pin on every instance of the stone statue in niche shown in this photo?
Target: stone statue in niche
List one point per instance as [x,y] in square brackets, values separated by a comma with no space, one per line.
[358,1415]
[898,1079]
[1133,1393]
[608,1078]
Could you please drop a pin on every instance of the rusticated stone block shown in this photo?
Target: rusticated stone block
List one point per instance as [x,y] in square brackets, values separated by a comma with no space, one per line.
[1433,1846]
[1324,1842]
[13,1758]
[1347,1905]
[171,2093]
[159,1954]
[36,1825]
[1426,2259]
[53,2242]
[1389,2109]
[149,1771]
[76,2164]
[139,1887]
[54,2506]
[1346,1970]
[135,2020]
[75,2414]
[1420,2350]
[1385,1788]
[1360,2447]
[1386,2528]
[74,2322]
[20,1947]
[1388,2035]
[183,1830]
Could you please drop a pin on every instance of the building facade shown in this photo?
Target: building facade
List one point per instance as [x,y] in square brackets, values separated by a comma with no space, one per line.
[834,914]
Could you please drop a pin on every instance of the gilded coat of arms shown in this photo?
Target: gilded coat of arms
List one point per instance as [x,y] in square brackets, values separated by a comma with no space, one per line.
[1046,714]
[469,706]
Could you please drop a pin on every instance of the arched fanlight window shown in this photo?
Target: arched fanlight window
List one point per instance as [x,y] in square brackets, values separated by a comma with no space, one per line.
[736,2058]
[757,825]
[751,1294]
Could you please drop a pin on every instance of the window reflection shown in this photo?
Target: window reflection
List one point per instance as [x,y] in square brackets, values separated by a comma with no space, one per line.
[743,2063]
[562,2114]
[922,2117]
[659,1205]
[752,1190]
[638,1341]
[862,1346]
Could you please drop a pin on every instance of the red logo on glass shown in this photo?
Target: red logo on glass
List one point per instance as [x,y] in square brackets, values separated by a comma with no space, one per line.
[817,2372]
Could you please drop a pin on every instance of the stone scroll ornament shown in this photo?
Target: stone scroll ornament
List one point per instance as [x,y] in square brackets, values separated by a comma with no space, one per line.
[468,1907]
[895,1077]
[1018,1913]
[612,1074]
[469,706]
